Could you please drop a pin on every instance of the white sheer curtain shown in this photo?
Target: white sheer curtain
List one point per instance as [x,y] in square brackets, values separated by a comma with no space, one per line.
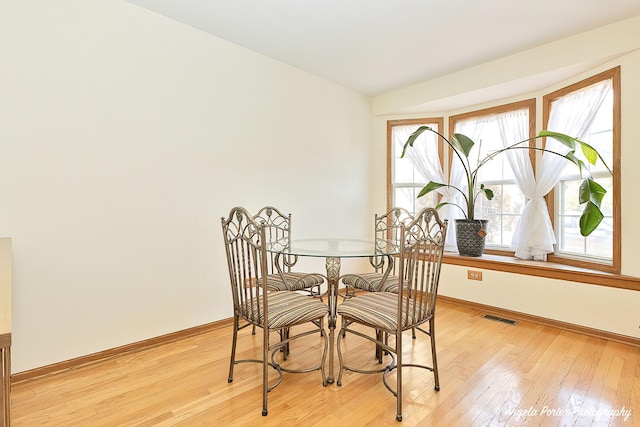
[425,158]
[572,114]
[424,153]
[513,128]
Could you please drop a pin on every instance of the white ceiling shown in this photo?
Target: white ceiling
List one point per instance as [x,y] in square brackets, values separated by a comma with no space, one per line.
[376,46]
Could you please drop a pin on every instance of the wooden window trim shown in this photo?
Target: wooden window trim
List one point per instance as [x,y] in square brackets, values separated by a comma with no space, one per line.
[549,270]
[614,75]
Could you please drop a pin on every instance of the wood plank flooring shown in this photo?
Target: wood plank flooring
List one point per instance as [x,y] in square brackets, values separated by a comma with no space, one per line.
[490,374]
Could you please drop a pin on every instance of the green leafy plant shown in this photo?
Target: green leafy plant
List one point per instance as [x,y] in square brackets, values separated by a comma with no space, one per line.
[590,193]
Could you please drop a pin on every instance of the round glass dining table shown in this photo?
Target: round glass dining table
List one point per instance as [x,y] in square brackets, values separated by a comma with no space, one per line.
[333,250]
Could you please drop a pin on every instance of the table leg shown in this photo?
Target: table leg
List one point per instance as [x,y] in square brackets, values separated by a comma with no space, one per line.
[333,277]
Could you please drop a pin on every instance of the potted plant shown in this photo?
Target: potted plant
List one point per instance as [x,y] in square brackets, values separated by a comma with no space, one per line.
[470,230]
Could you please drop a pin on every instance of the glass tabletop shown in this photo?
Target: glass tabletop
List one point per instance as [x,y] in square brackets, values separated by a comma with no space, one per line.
[334,247]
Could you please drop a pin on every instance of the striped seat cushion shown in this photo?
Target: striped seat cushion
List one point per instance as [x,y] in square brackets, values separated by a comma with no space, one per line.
[371,282]
[285,309]
[378,310]
[293,281]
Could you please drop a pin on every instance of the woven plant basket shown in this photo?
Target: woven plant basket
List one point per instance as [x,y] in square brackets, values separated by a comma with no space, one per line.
[470,236]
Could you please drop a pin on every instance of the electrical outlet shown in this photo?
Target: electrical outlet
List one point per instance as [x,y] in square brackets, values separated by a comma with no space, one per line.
[474,275]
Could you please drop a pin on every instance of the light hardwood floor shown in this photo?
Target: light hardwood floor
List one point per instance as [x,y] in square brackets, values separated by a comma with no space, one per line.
[490,374]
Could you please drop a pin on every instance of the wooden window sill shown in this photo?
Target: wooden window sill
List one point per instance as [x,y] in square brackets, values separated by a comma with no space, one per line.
[544,269]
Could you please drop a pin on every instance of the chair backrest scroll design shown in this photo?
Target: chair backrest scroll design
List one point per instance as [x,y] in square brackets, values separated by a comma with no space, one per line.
[422,247]
[277,227]
[246,258]
[388,227]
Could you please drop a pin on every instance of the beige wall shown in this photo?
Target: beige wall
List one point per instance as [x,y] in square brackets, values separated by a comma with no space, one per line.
[609,309]
[124,138]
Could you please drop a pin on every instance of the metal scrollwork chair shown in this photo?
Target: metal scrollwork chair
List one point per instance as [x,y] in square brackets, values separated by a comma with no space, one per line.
[248,263]
[281,278]
[383,278]
[422,245]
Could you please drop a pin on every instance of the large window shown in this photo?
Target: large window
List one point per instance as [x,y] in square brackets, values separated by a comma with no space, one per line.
[409,174]
[493,129]
[589,110]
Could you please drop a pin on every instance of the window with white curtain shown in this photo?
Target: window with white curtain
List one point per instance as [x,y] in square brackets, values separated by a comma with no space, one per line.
[421,164]
[535,212]
[491,130]
[588,110]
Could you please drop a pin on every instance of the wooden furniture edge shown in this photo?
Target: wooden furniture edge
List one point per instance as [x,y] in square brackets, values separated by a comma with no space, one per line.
[125,349]
[570,327]
[6,264]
